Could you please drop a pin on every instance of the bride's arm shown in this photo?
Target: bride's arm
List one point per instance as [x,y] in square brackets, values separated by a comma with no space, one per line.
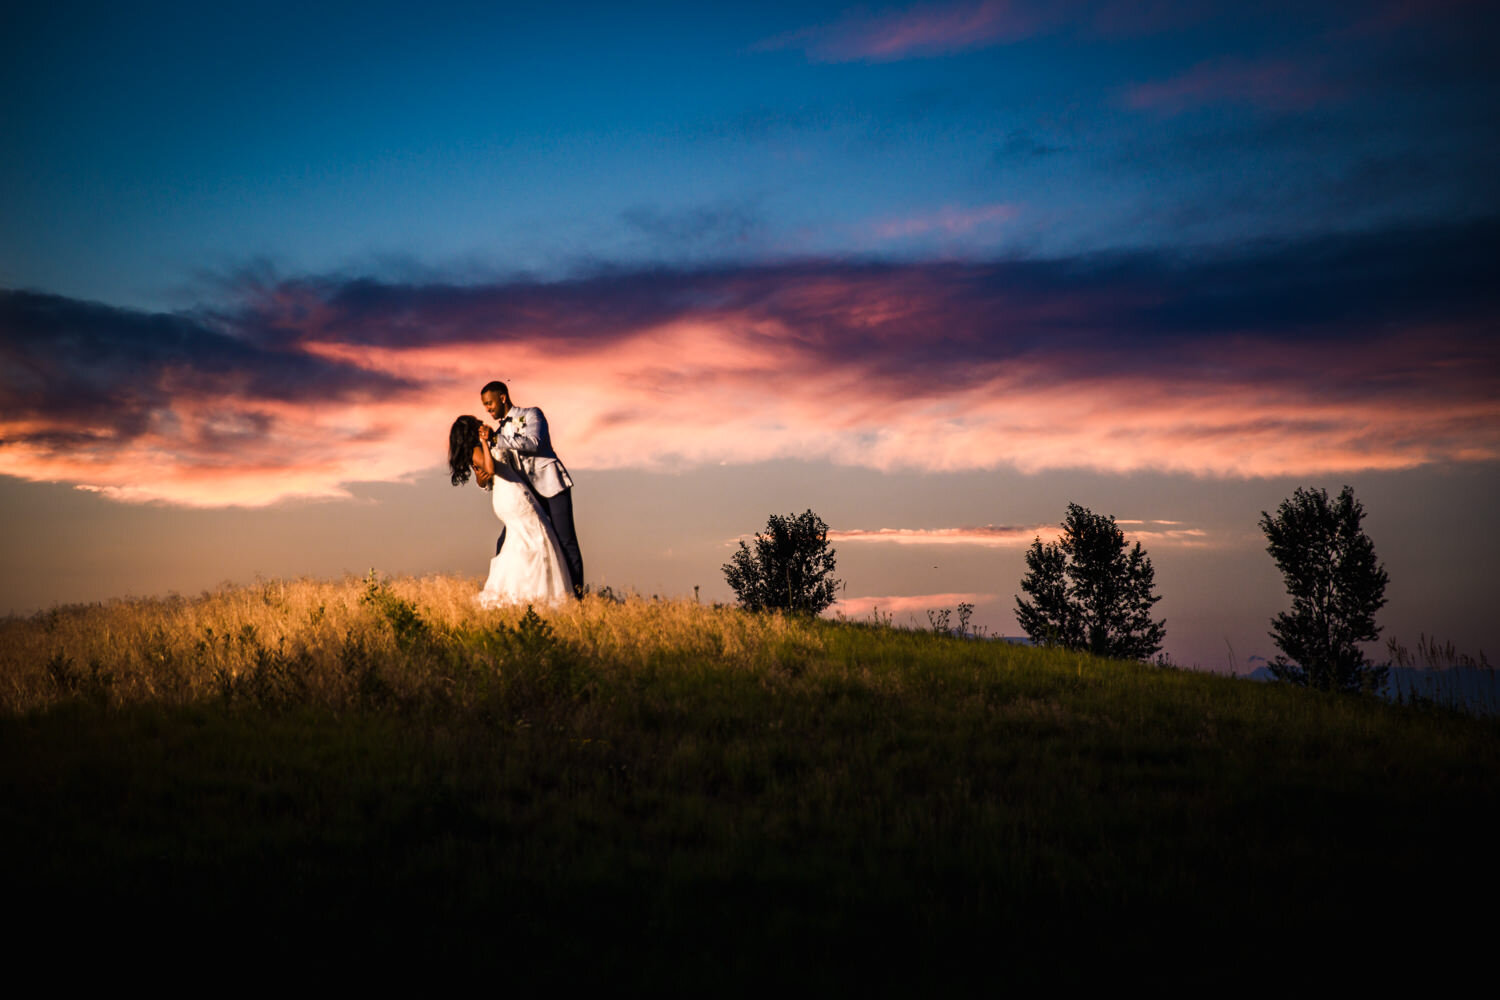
[482,460]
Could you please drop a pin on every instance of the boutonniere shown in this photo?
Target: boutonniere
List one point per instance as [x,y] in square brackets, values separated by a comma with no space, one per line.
[520,421]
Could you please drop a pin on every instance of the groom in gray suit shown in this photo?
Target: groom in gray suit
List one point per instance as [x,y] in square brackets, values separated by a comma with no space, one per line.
[523,429]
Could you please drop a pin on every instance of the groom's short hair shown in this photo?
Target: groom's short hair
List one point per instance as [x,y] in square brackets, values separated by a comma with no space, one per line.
[498,388]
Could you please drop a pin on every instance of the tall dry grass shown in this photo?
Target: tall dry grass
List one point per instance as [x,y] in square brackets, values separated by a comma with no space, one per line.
[333,643]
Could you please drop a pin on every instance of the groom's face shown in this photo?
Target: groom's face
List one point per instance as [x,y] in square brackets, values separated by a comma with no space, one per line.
[495,403]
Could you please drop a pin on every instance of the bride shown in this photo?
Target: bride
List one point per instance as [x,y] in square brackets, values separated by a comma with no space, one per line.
[529,568]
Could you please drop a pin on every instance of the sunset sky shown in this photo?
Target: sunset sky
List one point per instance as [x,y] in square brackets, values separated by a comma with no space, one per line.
[933,271]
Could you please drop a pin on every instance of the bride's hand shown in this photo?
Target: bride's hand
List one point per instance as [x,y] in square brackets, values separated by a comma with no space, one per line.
[484,435]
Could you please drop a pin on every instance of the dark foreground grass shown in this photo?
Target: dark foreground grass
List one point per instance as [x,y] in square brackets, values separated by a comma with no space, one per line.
[838,806]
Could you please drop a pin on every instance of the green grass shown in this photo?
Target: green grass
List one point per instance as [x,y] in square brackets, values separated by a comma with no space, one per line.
[667,794]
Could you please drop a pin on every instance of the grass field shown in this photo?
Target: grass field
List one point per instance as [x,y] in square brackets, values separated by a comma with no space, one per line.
[664,794]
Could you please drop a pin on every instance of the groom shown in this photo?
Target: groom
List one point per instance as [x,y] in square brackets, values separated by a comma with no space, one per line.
[524,430]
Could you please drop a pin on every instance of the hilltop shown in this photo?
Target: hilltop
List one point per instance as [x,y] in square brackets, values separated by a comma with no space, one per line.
[665,793]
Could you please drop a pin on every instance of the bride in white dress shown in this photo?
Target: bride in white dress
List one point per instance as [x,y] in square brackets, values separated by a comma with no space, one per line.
[529,568]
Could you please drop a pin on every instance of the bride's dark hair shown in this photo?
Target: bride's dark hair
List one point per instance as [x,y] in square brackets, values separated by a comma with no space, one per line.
[463,438]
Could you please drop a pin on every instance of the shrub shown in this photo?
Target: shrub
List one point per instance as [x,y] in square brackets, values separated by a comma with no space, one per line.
[790,568]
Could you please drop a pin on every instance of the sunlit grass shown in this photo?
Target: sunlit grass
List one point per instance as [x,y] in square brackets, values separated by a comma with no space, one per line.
[179,651]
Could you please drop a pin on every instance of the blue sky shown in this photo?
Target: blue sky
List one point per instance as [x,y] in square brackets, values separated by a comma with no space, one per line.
[154,142]
[1145,257]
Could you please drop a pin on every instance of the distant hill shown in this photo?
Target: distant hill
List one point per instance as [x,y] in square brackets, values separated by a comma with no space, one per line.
[1472,689]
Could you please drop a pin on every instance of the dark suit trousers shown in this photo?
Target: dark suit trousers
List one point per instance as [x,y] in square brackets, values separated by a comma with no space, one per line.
[560,512]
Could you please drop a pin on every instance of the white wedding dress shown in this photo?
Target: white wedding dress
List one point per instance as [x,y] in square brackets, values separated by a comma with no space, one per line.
[530,568]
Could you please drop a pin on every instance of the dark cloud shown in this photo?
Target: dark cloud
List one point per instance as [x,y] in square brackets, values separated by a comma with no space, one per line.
[110,372]
[1341,287]
[94,359]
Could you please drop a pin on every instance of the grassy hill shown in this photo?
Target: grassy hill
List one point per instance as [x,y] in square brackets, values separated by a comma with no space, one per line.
[669,794]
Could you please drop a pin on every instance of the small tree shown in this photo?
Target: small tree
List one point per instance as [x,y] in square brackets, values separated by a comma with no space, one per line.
[1052,619]
[789,569]
[1336,587]
[1089,593]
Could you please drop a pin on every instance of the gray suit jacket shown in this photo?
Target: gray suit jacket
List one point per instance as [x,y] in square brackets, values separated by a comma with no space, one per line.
[523,430]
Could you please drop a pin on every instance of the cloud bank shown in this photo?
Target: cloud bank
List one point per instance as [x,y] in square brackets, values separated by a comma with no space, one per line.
[1356,352]
[1007,536]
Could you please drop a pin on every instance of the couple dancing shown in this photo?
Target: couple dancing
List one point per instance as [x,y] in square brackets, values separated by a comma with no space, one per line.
[536,556]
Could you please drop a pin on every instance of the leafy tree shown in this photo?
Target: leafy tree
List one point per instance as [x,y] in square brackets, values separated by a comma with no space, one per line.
[1336,587]
[789,569]
[1051,619]
[1088,592]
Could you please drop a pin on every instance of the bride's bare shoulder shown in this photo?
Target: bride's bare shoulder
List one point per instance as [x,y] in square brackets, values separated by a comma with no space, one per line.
[481,478]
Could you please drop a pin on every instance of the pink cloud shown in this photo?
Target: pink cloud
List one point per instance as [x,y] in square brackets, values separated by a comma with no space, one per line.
[941,368]
[936,29]
[950,220]
[1279,84]
[853,607]
[665,396]
[302,450]
[1188,538]
[925,30]
[657,398]
[989,536]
